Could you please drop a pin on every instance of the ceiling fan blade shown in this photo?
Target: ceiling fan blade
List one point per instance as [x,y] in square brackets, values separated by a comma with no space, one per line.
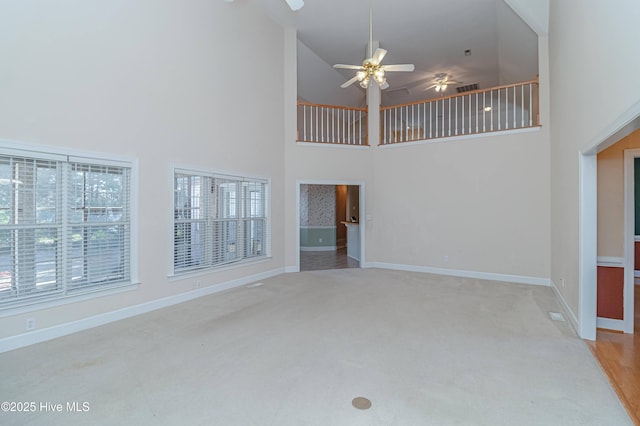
[295,4]
[348,67]
[399,67]
[378,55]
[349,82]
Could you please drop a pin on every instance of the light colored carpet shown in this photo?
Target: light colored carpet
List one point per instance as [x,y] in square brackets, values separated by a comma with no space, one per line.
[425,349]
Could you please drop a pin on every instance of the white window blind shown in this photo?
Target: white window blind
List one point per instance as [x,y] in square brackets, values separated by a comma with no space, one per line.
[218,220]
[97,238]
[64,227]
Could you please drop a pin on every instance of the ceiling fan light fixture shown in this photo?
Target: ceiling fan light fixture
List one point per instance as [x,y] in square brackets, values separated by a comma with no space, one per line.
[295,4]
[371,68]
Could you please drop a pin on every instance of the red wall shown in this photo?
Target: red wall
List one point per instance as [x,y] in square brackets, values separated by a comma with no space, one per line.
[610,292]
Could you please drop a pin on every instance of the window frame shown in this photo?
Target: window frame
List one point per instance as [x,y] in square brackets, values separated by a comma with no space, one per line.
[66,291]
[225,209]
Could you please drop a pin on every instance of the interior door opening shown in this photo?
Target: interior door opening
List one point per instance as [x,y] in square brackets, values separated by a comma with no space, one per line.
[329,226]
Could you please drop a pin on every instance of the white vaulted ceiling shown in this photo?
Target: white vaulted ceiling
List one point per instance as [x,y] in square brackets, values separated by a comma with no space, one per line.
[433,35]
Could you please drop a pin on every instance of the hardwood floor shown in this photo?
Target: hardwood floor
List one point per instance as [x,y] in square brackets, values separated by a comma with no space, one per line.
[619,356]
[319,260]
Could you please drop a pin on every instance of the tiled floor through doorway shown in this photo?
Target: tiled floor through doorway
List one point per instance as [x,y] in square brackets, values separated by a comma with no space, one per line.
[319,260]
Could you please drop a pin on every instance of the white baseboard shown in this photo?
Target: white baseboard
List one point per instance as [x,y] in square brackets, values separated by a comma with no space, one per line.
[37,336]
[519,279]
[573,319]
[319,248]
[610,324]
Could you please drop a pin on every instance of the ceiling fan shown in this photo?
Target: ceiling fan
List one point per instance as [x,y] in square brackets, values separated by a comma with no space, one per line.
[295,4]
[441,82]
[371,68]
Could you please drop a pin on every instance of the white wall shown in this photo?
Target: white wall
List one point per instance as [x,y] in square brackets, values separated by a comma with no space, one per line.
[589,42]
[319,82]
[320,164]
[534,12]
[517,47]
[164,82]
[479,204]
[482,202]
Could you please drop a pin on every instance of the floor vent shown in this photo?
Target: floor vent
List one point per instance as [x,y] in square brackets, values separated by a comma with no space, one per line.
[361,403]
[556,316]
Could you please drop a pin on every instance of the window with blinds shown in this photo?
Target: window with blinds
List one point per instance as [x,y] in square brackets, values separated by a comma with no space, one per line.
[218,220]
[64,227]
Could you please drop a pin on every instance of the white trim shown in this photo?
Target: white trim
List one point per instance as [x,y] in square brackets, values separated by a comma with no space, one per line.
[362,190]
[59,300]
[212,171]
[318,227]
[107,158]
[72,155]
[636,238]
[611,261]
[624,125]
[627,123]
[26,339]
[573,320]
[461,137]
[332,145]
[610,324]
[540,28]
[134,220]
[587,246]
[225,267]
[176,168]
[318,248]
[629,238]
[519,279]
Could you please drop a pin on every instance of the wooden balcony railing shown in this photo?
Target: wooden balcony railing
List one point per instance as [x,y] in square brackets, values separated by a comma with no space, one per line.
[332,124]
[514,106]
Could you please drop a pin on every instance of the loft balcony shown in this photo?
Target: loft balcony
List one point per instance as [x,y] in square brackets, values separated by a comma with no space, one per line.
[498,109]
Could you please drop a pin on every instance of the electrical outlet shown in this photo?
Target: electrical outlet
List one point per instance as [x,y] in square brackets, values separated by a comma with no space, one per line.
[30,324]
[445,258]
[319,240]
[562,282]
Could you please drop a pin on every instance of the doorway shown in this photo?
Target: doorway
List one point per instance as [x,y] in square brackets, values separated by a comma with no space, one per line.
[617,232]
[328,219]
[626,124]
